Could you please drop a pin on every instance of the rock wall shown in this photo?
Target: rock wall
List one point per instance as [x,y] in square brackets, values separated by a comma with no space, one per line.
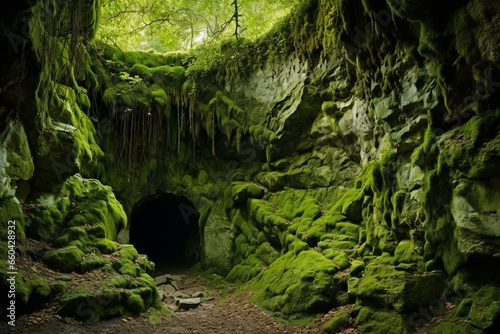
[345,159]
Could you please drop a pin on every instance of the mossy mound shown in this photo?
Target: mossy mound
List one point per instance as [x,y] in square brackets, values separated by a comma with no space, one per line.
[481,312]
[391,287]
[296,284]
[33,290]
[65,259]
[337,323]
[115,285]
[86,208]
[111,296]
[372,320]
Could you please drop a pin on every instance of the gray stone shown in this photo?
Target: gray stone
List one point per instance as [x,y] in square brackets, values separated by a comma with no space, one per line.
[198,294]
[188,303]
[168,289]
[181,295]
[177,284]
[166,279]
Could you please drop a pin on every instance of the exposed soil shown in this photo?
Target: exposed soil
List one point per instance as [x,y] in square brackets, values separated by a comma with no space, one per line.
[221,314]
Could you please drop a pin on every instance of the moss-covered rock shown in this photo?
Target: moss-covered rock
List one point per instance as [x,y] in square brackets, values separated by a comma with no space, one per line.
[371,320]
[390,287]
[65,259]
[218,240]
[296,284]
[337,323]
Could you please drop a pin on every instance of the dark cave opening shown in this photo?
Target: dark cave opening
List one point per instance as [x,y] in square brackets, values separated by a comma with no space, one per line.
[165,228]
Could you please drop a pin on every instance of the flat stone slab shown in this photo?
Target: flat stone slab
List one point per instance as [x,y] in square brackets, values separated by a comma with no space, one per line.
[167,278]
[198,294]
[189,303]
[167,288]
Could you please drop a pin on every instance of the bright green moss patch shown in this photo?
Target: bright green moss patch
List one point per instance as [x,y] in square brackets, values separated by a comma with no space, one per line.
[481,312]
[65,259]
[296,284]
[115,295]
[72,234]
[405,252]
[105,245]
[91,262]
[128,252]
[337,323]
[80,202]
[371,320]
[357,268]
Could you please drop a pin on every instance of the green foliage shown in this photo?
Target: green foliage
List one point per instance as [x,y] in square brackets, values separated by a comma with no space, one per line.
[181,25]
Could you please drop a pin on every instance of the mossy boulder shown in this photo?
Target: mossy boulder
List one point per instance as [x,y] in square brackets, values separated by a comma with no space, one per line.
[390,287]
[337,323]
[296,284]
[86,304]
[481,311]
[83,211]
[372,320]
[65,259]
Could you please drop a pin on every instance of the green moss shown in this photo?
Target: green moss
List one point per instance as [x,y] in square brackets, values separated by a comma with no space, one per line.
[485,310]
[91,262]
[352,204]
[72,234]
[145,264]
[296,284]
[341,320]
[40,287]
[135,303]
[128,252]
[10,211]
[241,192]
[357,268]
[381,322]
[388,286]
[65,259]
[105,245]
[405,252]
[246,270]
[267,253]
[446,327]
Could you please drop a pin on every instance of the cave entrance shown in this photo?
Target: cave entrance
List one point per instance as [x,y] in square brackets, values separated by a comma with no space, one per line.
[165,228]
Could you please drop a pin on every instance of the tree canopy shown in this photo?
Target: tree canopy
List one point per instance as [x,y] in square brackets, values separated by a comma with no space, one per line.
[174,25]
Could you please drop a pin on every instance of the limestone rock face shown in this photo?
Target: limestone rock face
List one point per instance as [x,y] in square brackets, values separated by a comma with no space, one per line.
[475,209]
[217,245]
[277,87]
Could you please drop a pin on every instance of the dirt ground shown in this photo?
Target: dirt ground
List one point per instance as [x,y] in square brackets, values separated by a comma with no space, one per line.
[221,314]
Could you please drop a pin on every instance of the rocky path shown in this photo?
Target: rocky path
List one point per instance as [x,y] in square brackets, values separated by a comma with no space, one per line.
[215,314]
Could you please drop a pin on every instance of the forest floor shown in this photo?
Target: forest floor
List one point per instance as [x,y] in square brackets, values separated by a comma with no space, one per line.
[224,312]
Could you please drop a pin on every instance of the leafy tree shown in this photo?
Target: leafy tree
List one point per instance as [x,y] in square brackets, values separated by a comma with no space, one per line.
[173,25]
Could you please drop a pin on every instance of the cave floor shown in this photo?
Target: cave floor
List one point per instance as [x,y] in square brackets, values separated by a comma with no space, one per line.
[225,313]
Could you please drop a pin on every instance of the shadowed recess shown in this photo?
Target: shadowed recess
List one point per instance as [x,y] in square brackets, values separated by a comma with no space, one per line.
[165,227]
